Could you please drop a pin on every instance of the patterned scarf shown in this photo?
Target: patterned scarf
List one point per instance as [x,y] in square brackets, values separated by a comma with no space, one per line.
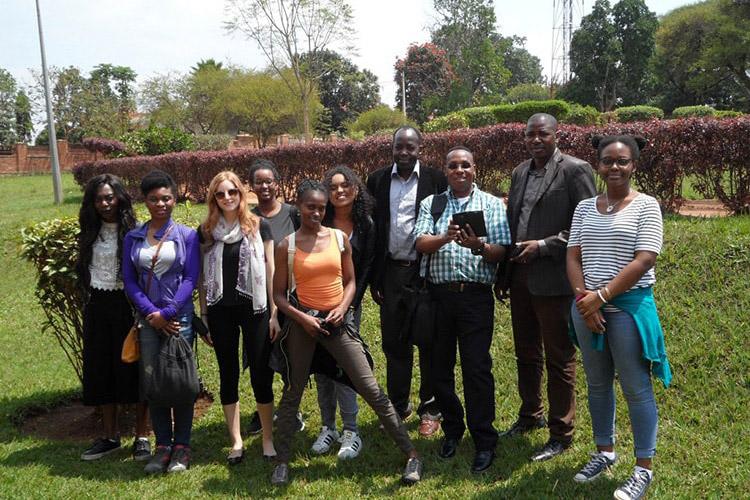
[251,276]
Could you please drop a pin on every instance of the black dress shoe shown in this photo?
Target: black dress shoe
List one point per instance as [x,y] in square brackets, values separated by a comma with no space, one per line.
[448,448]
[523,427]
[482,461]
[551,449]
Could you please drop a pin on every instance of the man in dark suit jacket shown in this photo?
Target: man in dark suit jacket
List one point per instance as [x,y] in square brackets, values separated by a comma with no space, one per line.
[544,192]
[398,189]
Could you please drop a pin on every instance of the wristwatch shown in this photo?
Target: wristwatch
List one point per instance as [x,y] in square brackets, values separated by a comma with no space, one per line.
[478,251]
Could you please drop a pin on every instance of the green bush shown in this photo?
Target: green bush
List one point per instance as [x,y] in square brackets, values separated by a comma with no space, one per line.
[156,140]
[728,113]
[451,121]
[378,118]
[638,114]
[212,142]
[521,112]
[526,92]
[582,115]
[479,116]
[690,111]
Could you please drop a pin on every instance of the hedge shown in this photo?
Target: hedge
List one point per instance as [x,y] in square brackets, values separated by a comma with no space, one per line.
[688,111]
[582,115]
[715,151]
[638,113]
[450,121]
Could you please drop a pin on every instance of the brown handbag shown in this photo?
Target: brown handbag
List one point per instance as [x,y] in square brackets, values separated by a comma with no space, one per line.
[131,347]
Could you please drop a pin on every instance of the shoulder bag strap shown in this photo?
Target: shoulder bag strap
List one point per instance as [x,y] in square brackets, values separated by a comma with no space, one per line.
[155,257]
[437,207]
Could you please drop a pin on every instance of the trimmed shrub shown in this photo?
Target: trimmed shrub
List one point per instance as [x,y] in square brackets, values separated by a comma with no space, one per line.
[582,115]
[212,142]
[156,140]
[638,114]
[728,113]
[714,149]
[689,111]
[450,121]
[109,147]
[480,116]
[521,112]
[378,118]
[526,92]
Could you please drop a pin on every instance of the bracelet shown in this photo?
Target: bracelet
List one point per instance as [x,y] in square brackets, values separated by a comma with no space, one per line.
[599,293]
[609,294]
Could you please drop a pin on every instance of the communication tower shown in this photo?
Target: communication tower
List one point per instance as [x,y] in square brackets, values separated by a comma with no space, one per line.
[566,15]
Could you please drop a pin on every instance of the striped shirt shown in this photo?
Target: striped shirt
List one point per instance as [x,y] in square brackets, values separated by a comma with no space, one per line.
[609,241]
[452,262]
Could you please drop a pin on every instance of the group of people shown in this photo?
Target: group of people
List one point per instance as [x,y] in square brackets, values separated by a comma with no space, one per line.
[289,280]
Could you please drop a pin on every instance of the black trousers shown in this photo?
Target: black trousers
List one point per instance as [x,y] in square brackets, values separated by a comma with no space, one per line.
[398,349]
[466,318]
[225,323]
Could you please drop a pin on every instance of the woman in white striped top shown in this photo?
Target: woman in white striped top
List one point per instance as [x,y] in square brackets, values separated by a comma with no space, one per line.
[614,240]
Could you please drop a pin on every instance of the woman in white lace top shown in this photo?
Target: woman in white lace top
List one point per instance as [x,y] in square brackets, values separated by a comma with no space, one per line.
[105,216]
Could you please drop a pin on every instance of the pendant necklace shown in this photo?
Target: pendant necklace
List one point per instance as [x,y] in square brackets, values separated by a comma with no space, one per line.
[611,207]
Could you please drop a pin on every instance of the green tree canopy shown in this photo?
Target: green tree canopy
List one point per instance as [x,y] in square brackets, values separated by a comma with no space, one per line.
[8,135]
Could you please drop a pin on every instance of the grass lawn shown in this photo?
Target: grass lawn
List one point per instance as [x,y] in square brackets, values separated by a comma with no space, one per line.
[704,434]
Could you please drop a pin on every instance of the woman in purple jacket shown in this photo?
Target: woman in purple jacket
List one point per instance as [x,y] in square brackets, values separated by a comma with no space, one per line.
[161,264]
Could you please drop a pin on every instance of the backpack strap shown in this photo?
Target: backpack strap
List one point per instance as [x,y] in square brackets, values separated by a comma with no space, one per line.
[339,238]
[291,285]
[439,202]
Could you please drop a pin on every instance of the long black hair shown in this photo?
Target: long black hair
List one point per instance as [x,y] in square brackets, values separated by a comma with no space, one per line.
[363,203]
[90,222]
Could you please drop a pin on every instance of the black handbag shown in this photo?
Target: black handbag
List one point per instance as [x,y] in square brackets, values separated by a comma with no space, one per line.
[175,380]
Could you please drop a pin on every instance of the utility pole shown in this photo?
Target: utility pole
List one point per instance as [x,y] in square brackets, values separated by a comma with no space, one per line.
[55,161]
[403,93]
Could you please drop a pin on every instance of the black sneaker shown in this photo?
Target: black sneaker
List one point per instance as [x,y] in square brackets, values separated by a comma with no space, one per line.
[141,449]
[300,421]
[100,448]
[180,460]
[254,427]
[635,487]
[159,461]
[598,464]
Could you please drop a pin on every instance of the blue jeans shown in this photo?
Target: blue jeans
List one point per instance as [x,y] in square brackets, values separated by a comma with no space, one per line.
[167,431]
[622,352]
[330,392]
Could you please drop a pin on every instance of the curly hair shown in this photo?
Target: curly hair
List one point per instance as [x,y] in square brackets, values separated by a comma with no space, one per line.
[363,202]
[249,222]
[90,222]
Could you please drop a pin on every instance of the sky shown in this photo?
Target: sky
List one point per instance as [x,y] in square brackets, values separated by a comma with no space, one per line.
[163,36]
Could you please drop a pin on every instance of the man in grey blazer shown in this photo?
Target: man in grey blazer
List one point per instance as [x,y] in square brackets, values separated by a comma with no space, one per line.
[544,192]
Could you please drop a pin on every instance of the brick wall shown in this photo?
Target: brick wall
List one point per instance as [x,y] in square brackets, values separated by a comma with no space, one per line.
[25,159]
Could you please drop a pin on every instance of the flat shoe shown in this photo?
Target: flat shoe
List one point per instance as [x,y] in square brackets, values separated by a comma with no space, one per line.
[234,458]
[269,458]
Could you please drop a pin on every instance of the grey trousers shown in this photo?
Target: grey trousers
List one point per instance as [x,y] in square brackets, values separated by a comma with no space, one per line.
[349,354]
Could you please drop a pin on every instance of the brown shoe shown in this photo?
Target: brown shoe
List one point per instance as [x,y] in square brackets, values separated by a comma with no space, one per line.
[428,425]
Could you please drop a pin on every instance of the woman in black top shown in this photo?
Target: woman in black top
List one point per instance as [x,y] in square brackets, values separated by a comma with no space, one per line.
[106,215]
[348,209]
[236,294]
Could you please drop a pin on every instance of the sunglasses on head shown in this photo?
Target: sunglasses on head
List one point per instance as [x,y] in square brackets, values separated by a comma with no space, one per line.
[226,194]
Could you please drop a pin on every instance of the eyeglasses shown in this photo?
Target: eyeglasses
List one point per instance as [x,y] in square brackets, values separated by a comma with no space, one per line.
[463,165]
[608,162]
[226,194]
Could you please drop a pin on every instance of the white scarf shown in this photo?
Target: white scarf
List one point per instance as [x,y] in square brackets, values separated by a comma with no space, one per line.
[251,276]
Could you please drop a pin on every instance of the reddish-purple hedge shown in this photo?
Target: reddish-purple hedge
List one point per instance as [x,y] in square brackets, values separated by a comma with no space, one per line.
[104,146]
[717,152]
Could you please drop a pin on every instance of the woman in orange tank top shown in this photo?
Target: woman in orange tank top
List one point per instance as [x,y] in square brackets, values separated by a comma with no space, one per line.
[319,314]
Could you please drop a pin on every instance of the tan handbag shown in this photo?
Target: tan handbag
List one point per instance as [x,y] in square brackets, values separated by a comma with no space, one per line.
[131,347]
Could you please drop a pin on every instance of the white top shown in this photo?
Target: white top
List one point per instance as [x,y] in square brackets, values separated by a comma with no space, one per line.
[167,256]
[609,242]
[403,198]
[104,268]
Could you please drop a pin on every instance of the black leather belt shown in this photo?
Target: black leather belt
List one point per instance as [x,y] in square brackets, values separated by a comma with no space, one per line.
[462,286]
[403,263]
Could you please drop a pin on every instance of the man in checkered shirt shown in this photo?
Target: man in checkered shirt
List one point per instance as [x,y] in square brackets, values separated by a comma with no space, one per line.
[461,272]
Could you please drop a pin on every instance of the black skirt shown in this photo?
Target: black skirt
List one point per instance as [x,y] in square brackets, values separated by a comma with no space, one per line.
[107,318]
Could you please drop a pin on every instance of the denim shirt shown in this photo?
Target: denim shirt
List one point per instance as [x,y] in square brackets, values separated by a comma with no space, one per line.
[172,294]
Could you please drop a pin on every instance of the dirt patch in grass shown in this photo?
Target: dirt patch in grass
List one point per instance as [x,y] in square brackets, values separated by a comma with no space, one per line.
[703,208]
[74,422]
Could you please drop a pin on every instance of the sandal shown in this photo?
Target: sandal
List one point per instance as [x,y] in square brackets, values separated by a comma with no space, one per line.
[235,456]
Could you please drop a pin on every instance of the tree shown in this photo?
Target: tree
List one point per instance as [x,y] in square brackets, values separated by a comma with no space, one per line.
[284,30]
[8,135]
[428,76]
[344,90]
[162,97]
[204,114]
[24,125]
[636,26]
[378,119]
[465,29]
[523,67]
[688,62]
[526,92]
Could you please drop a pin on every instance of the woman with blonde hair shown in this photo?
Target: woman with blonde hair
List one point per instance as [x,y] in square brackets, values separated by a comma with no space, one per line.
[235,295]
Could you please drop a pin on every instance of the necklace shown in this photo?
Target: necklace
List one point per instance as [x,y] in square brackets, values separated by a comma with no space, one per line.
[611,207]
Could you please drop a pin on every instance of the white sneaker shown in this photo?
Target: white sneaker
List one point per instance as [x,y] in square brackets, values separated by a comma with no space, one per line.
[325,440]
[351,445]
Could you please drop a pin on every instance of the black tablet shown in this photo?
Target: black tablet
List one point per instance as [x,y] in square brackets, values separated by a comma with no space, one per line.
[474,219]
